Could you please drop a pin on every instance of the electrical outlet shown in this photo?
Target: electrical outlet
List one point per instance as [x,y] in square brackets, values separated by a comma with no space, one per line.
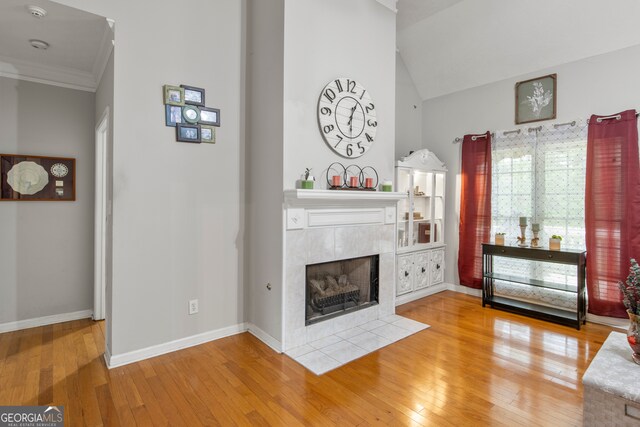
[193,306]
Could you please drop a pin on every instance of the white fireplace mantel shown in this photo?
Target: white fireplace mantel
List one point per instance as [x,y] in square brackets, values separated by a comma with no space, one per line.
[325,208]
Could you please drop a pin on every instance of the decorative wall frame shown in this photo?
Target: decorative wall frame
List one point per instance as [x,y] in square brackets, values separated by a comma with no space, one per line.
[193,95]
[207,134]
[173,95]
[190,114]
[188,133]
[173,115]
[209,116]
[536,99]
[37,178]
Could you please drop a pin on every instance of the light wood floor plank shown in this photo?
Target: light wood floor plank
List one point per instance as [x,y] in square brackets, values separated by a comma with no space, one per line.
[474,366]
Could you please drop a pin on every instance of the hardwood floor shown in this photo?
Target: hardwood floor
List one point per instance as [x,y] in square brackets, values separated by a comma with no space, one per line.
[474,366]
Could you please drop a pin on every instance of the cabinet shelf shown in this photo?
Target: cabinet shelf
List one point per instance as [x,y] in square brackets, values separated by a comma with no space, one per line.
[532,282]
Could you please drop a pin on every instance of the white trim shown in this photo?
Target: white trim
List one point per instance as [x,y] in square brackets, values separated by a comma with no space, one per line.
[55,76]
[348,197]
[113,361]
[45,320]
[614,322]
[100,217]
[389,4]
[107,355]
[106,47]
[421,293]
[465,290]
[265,337]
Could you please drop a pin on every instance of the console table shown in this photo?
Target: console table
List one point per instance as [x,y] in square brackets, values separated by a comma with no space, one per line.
[539,311]
[611,392]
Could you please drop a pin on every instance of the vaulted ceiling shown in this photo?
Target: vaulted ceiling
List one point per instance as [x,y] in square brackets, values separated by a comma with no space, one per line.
[452,45]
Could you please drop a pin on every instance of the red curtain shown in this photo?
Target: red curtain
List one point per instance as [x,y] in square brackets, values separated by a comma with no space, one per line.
[612,209]
[475,207]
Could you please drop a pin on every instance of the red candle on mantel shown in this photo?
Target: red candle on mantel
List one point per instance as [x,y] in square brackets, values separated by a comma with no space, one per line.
[368,182]
[353,181]
[335,180]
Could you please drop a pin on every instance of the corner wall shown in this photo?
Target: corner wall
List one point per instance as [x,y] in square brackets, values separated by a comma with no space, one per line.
[46,248]
[408,112]
[176,206]
[324,40]
[603,84]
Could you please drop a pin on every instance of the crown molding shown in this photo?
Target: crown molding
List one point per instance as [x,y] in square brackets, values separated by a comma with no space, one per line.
[106,47]
[56,76]
[389,4]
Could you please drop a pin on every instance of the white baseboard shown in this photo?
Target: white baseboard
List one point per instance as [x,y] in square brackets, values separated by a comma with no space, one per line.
[415,295]
[45,320]
[464,290]
[113,361]
[265,337]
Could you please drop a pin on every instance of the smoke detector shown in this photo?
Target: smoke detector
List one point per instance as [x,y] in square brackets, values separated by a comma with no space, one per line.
[39,44]
[37,12]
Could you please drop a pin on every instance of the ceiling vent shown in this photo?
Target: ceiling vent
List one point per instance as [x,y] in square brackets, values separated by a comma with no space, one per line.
[37,12]
[39,44]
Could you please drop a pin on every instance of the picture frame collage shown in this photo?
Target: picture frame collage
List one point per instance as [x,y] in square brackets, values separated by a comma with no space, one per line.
[186,111]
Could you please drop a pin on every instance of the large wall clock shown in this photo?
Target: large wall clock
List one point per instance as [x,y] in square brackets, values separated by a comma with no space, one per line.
[347,117]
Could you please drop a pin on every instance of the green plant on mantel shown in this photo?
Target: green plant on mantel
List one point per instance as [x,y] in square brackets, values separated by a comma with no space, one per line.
[557,237]
[500,234]
[307,172]
[631,289]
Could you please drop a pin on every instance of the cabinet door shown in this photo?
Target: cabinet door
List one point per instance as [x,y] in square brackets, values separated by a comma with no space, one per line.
[437,266]
[405,274]
[421,269]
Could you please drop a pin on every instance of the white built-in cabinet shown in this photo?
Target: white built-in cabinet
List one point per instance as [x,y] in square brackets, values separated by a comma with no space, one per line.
[420,226]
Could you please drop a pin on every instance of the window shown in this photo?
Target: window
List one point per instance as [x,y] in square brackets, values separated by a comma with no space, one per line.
[540,173]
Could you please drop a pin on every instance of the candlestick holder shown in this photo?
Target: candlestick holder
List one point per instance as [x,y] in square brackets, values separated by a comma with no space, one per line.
[522,240]
[535,241]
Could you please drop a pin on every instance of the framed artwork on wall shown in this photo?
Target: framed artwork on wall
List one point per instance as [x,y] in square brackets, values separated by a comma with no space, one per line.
[37,178]
[193,95]
[173,115]
[188,133]
[536,99]
[208,134]
[209,116]
[173,95]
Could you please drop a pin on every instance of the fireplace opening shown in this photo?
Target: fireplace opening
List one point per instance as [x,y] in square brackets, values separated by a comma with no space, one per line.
[339,287]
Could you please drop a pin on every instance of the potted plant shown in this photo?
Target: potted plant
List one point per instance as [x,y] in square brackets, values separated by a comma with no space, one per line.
[500,239]
[307,181]
[554,242]
[631,300]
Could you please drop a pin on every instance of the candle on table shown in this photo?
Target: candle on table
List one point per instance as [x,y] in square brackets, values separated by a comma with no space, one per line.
[387,185]
[335,180]
[353,181]
[368,182]
[523,221]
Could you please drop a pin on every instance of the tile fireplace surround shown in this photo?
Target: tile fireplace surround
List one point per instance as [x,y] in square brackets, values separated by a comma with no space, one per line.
[328,225]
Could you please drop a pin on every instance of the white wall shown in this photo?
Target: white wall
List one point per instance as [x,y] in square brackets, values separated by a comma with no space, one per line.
[602,84]
[264,155]
[408,112]
[46,248]
[324,40]
[176,206]
[104,101]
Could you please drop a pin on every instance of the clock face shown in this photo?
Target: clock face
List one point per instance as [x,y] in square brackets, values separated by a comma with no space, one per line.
[347,117]
[59,170]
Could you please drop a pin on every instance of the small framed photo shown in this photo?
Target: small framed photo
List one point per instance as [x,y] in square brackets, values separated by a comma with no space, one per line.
[173,95]
[190,114]
[536,99]
[209,116]
[173,115]
[188,133]
[193,95]
[208,134]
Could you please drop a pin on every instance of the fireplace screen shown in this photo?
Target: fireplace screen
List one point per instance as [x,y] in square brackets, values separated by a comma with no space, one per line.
[338,287]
